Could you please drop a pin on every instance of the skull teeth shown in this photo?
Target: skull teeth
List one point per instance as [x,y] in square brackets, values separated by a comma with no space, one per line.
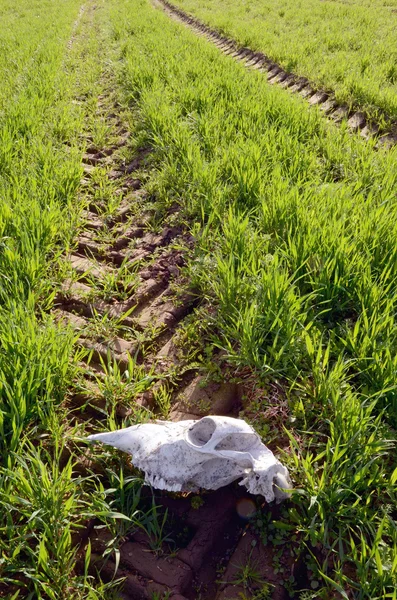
[160,483]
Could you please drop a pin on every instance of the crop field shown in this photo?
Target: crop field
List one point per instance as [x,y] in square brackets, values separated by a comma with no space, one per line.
[344,46]
[179,238]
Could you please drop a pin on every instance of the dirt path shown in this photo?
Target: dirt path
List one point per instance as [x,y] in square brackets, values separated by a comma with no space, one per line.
[126,296]
[210,562]
[356,120]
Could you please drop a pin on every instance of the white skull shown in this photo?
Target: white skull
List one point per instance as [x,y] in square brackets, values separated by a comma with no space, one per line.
[209,453]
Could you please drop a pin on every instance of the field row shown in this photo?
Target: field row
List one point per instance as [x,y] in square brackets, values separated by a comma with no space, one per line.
[49,107]
[355,121]
[302,283]
[124,297]
[344,46]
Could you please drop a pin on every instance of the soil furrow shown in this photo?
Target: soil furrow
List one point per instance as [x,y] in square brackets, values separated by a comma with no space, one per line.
[125,297]
[385,132]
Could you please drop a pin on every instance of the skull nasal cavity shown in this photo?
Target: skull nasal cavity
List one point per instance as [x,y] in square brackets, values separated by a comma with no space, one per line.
[240,442]
[201,432]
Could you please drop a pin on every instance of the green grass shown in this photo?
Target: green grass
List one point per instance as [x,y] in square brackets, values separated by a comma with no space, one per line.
[43,502]
[39,176]
[296,251]
[54,89]
[344,46]
[295,226]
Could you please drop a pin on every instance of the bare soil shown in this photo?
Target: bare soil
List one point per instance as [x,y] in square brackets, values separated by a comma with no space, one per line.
[213,538]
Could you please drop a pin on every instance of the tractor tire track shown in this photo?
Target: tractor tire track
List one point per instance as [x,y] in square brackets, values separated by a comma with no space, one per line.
[218,536]
[125,295]
[356,120]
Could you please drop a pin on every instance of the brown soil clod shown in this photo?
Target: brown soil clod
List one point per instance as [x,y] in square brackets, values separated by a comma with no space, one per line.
[118,349]
[339,114]
[369,131]
[299,85]
[87,269]
[318,98]
[307,91]
[328,106]
[280,78]
[357,121]
[273,72]
[215,530]
[288,82]
[200,398]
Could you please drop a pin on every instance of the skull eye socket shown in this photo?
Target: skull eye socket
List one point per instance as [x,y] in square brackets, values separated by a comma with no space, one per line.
[237,441]
[201,433]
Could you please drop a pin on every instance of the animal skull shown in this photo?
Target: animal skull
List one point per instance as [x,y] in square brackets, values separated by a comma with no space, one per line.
[209,453]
